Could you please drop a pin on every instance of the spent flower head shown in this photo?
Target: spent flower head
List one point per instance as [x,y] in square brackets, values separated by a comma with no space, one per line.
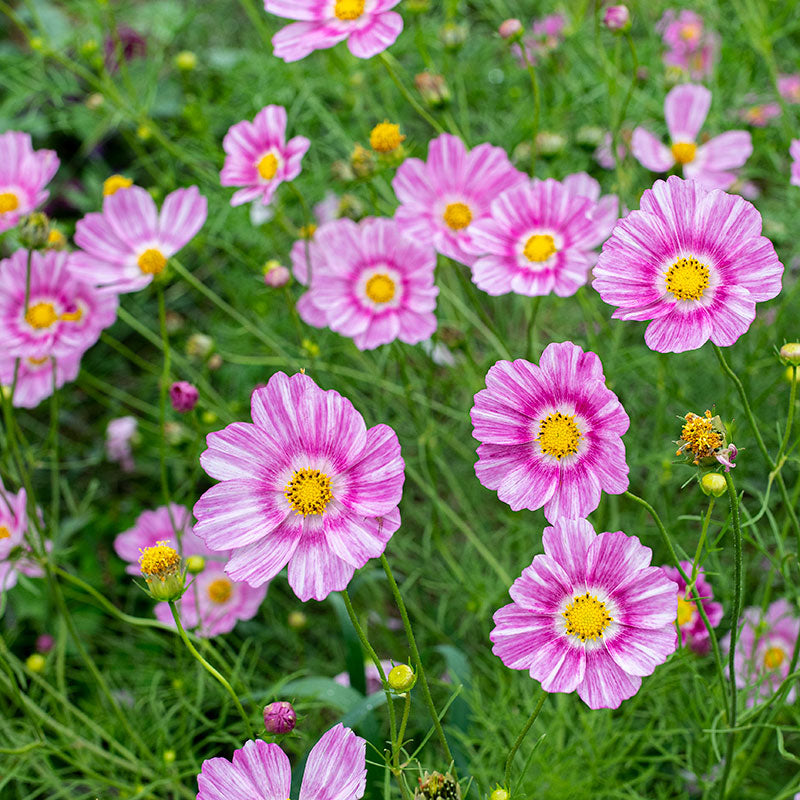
[160,566]
[704,442]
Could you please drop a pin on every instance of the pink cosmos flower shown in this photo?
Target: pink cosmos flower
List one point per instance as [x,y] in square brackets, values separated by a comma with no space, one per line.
[603,155]
[335,770]
[128,244]
[550,434]
[173,523]
[764,650]
[63,316]
[119,433]
[759,115]
[590,615]
[691,260]
[685,109]
[258,157]
[305,484]
[35,376]
[789,87]
[536,239]
[369,26]
[24,172]
[13,525]
[443,197]
[370,282]
[373,677]
[690,48]
[693,630]
[213,603]
[794,152]
[546,35]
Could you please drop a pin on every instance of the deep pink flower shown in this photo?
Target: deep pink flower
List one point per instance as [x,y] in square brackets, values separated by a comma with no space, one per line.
[685,108]
[764,650]
[173,524]
[183,396]
[279,717]
[693,261]
[537,239]
[794,152]
[789,87]
[442,198]
[759,115]
[258,157]
[546,35]
[369,26]
[550,434]
[35,376]
[119,433]
[590,615]
[213,603]
[24,172]
[305,484]
[693,630]
[370,282]
[128,244]
[14,549]
[64,316]
[617,18]
[690,48]
[335,770]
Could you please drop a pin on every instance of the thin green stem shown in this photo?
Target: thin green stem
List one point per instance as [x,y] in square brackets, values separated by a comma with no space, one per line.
[737,609]
[410,99]
[789,418]
[537,104]
[522,734]
[703,534]
[211,670]
[412,643]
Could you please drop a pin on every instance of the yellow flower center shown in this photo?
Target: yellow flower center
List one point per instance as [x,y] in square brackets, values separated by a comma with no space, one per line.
[540,247]
[457,216]
[41,315]
[115,183]
[268,166]
[690,31]
[309,491]
[684,152]
[8,202]
[586,617]
[159,561]
[220,590]
[700,436]
[558,435]
[380,288]
[687,279]
[773,658]
[349,9]
[686,611]
[307,231]
[152,261]
[385,136]
[5,533]
[55,239]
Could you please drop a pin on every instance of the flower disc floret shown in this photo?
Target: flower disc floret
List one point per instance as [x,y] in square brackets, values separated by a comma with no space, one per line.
[309,491]
[159,561]
[8,202]
[540,247]
[114,183]
[380,288]
[385,137]
[559,435]
[687,279]
[457,216]
[151,261]
[684,152]
[586,617]
[349,9]
[268,166]
[220,590]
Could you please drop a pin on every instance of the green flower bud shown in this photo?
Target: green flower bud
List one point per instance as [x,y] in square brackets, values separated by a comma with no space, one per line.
[401,678]
[712,483]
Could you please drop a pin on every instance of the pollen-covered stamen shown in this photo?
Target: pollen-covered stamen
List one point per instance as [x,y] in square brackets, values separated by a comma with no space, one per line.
[159,561]
[349,9]
[684,152]
[559,435]
[37,362]
[380,288]
[586,617]
[687,279]
[268,166]
[220,590]
[8,202]
[309,491]
[699,436]
[540,247]
[457,216]
[152,261]
[774,657]
[686,611]
[5,533]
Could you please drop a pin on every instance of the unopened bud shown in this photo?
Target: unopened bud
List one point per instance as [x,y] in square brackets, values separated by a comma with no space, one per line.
[279,717]
[186,60]
[276,275]
[790,354]
[714,484]
[169,756]
[45,643]
[549,143]
[199,346]
[453,34]
[160,566]
[510,29]
[183,396]
[385,137]
[195,565]
[34,230]
[433,88]
[499,794]
[401,678]
[297,620]
[35,662]
[617,18]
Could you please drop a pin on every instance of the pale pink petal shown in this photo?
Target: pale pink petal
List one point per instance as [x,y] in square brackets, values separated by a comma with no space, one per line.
[650,152]
[686,108]
[336,767]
